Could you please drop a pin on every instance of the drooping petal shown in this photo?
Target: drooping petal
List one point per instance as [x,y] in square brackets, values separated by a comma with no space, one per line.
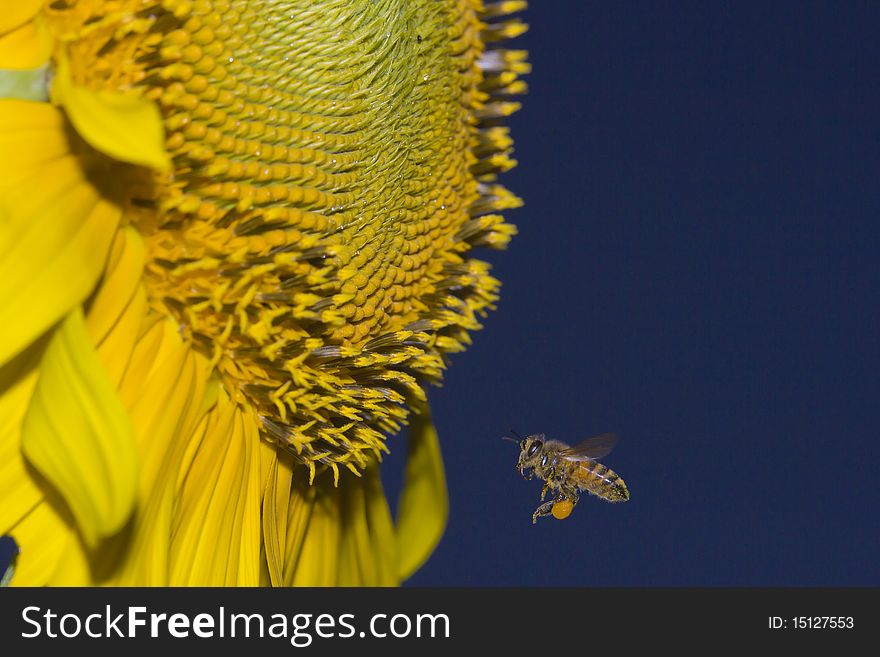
[18,13]
[125,127]
[43,535]
[318,560]
[348,541]
[217,537]
[381,528]
[117,310]
[364,561]
[31,512]
[424,504]
[300,508]
[167,391]
[18,490]
[77,433]
[276,501]
[25,47]
[164,388]
[55,227]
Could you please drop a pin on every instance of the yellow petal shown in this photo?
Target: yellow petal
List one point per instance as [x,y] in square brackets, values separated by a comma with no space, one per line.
[116,311]
[217,537]
[28,46]
[18,490]
[72,568]
[77,434]
[381,528]
[368,547]
[318,560]
[17,13]
[43,536]
[424,505]
[125,127]
[299,517]
[357,565]
[34,136]
[121,279]
[42,527]
[55,227]
[167,393]
[276,501]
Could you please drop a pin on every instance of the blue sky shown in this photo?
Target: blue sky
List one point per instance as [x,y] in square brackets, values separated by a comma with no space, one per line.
[696,270]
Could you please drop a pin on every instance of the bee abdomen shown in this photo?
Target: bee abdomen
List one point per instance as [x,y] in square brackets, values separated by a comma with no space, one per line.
[603,482]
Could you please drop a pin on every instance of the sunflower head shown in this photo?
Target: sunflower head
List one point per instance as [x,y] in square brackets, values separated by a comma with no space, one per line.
[301,186]
[332,165]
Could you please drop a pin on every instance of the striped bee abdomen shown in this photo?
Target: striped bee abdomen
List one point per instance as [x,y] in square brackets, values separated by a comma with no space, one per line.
[601,481]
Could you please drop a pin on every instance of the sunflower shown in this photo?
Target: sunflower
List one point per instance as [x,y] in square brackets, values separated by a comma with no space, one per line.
[235,246]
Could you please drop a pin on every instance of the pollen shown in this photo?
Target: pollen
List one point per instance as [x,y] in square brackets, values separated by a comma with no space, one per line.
[562,509]
[334,163]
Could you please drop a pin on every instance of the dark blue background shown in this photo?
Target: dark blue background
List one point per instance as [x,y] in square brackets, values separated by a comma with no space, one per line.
[697,270]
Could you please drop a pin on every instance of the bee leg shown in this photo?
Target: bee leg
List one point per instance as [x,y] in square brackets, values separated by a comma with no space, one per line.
[543,510]
[544,491]
[550,483]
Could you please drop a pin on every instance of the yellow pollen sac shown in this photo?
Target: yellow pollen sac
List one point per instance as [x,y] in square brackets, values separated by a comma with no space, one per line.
[333,164]
[562,509]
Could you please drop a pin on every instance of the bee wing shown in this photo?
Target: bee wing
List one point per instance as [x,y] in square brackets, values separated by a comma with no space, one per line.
[591,449]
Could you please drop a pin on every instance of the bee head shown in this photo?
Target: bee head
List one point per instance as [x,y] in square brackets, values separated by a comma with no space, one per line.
[531,449]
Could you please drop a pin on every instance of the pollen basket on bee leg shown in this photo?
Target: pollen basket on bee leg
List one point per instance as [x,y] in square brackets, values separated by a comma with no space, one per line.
[562,509]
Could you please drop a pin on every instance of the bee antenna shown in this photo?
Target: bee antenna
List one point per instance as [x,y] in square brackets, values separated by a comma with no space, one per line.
[516,434]
[510,439]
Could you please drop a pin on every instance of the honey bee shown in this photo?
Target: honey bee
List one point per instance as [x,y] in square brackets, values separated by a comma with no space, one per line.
[569,471]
